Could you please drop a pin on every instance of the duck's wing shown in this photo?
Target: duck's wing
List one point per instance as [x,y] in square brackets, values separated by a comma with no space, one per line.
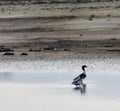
[77,82]
[77,78]
[82,76]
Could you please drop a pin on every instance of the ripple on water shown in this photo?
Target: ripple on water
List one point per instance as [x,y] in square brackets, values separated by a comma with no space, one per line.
[68,65]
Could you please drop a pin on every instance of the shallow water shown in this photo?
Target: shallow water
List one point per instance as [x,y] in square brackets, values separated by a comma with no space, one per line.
[95,65]
[46,85]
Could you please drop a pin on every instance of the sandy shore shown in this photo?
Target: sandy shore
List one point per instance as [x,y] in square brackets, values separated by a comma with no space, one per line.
[44,33]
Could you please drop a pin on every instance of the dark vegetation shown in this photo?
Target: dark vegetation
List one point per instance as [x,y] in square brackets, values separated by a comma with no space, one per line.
[15,2]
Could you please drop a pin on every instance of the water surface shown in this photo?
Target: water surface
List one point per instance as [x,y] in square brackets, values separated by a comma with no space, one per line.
[45,85]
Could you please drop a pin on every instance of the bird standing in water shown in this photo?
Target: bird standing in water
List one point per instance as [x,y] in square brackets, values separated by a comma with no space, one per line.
[79,79]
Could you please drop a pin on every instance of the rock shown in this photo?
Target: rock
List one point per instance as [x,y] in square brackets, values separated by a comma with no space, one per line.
[24,53]
[8,53]
[35,50]
[50,48]
[66,49]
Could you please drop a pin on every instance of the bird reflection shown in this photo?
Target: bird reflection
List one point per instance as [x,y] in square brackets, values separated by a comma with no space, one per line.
[82,88]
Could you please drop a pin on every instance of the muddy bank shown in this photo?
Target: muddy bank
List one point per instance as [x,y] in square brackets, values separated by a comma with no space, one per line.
[59,31]
[61,49]
[83,46]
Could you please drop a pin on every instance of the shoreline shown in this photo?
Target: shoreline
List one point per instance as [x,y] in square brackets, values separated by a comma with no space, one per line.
[69,34]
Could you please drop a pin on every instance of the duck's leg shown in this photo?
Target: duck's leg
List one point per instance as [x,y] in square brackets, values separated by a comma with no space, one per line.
[79,85]
[81,81]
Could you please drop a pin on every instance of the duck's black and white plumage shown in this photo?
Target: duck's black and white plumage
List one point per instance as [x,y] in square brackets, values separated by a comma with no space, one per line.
[78,80]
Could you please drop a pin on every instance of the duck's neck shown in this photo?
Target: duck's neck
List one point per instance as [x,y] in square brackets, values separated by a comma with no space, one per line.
[84,71]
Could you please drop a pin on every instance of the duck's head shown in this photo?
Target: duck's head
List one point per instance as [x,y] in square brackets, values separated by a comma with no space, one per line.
[83,67]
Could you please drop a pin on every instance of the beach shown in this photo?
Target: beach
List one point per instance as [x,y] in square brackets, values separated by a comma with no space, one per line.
[42,49]
[58,31]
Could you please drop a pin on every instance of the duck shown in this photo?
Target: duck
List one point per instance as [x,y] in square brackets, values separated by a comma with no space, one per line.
[79,79]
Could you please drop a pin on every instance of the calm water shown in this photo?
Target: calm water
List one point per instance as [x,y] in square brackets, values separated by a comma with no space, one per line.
[46,86]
